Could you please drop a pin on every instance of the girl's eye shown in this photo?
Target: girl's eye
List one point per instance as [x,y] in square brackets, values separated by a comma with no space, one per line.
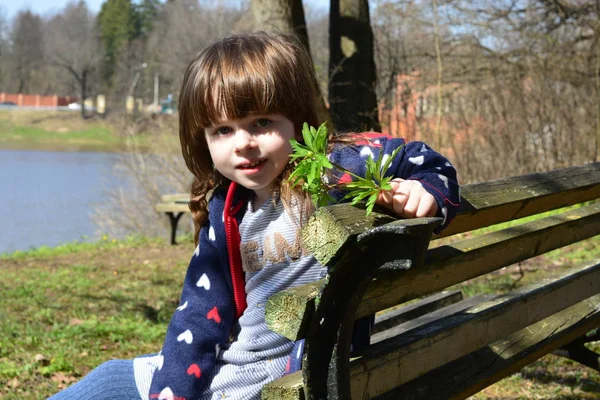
[263,122]
[224,130]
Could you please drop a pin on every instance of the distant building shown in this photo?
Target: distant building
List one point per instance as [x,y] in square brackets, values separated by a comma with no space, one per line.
[36,100]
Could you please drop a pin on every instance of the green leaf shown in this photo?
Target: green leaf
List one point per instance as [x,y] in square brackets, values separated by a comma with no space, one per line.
[322,139]
[389,161]
[371,203]
[306,134]
[323,160]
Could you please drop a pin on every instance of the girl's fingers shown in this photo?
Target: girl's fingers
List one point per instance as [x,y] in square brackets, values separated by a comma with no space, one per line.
[399,202]
[415,195]
[408,199]
[427,206]
[386,198]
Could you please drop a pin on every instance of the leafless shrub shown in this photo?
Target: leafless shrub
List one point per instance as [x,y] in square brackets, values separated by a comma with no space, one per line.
[150,171]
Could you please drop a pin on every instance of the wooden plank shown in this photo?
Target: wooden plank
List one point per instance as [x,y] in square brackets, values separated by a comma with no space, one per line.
[175,198]
[507,199]
[172,207]
[470,374]
[426,305]
[478,370]
[396,361]
[289,387]
[454,263]
[422,320]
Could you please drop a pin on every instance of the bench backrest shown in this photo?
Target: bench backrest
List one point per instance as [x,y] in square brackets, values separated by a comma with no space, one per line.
[343,238]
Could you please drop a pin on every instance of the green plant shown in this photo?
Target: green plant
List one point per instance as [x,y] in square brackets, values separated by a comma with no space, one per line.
[313,166]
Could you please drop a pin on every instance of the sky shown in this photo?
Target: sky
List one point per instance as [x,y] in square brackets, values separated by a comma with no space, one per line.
[43,7]
[11,7]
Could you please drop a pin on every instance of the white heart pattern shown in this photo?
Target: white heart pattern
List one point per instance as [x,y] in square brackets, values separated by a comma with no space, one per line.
[182,307]
[197,251]
[417,160]
[186,336]
[166,394]
[204,282]
[211,234]
[366,152]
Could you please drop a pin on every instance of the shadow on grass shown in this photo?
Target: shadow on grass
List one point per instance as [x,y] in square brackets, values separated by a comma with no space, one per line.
[544,377]
[156,315]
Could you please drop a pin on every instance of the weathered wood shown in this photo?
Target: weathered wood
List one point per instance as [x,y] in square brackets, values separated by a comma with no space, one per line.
[428,318]
[290,387]
[511,198]
[330,230]
[477,370]
[401,354]
[451,264]
[285,311]
[472,373]
[426,305]
[175,198]
[393,362]
[172,207]
[329,335]
[454,263]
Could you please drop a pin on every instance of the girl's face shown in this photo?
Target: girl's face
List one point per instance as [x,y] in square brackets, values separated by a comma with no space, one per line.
[252,151]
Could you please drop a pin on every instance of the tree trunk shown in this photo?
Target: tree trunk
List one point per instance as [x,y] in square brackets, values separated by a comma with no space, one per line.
[83,83]
[352,74]
[285,16]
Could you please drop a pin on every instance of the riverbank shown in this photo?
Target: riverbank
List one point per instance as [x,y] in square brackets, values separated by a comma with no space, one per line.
[68,309]
[67,131]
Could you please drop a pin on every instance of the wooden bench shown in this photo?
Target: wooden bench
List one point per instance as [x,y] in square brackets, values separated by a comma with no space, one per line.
[174,206]
[378,262]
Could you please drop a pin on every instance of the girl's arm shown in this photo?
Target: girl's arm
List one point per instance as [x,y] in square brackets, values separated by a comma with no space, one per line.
[199,325]
[420,171]
[422,166]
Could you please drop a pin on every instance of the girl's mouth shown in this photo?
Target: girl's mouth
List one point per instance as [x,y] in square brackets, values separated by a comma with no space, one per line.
[252,166]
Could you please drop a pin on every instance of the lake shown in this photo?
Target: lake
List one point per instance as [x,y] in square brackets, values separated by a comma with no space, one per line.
[48,197]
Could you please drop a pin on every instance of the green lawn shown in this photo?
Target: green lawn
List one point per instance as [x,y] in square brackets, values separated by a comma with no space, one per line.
[65,310]
[59,130]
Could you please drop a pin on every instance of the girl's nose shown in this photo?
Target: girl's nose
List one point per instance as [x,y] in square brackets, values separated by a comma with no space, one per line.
[243,140]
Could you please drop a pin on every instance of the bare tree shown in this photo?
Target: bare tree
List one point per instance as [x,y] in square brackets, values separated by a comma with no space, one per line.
[73,45]
[27,47]
[4,50]
[183,28]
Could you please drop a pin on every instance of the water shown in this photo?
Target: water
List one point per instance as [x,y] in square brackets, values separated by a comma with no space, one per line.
[47,198]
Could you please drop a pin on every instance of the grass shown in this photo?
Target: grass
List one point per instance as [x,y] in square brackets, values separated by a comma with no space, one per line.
[60,130]
[64,311]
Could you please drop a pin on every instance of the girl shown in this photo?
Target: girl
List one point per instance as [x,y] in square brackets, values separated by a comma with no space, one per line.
[242,100]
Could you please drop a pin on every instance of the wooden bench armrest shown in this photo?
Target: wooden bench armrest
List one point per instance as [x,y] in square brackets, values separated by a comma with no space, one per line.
[288,312]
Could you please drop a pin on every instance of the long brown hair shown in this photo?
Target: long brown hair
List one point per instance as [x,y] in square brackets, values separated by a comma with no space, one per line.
[234,77]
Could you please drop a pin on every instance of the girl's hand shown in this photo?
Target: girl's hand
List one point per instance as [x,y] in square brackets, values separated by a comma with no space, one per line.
[408,199]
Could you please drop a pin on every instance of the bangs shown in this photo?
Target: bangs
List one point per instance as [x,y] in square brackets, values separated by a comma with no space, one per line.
[242,84]
[244,75]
